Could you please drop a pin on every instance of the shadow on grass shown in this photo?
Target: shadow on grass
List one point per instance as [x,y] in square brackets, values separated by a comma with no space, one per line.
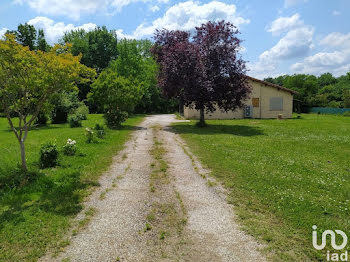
[236,130]
[33,128]
[43,193]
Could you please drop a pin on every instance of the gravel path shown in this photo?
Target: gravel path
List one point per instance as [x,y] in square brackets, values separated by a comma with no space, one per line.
[124,201]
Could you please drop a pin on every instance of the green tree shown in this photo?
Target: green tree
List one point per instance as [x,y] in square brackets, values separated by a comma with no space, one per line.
[136,63]
[326,79]
[28,79]
[98,47]
[115,95]
[41,43]
[346,98]
[27,35]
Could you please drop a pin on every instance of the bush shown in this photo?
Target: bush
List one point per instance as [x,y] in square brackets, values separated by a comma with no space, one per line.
[64,104]
[90,135]
[347,114]
[70,148]
[48,155]
[114,118]
[100,130]
[41,119]
[59,116]
[82,112]
[74,121]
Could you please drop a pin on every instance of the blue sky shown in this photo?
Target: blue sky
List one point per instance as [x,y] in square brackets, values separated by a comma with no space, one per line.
[280,36]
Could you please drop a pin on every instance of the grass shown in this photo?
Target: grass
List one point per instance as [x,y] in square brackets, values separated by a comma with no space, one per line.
[35,216]
[167,217]
[283,176]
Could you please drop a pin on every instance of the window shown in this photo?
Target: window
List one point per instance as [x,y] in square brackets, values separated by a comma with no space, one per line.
[255,102]
[276,104]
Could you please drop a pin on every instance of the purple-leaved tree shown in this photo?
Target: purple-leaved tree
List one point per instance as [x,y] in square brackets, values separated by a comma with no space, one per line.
[206,70]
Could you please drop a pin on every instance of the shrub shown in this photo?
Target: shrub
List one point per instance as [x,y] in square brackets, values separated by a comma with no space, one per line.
[100,130]
[114,118]
[74,121]
[82,112]
[63,104]
[41,119]
[90,135]
[48,155]
[347,114]
[70,148]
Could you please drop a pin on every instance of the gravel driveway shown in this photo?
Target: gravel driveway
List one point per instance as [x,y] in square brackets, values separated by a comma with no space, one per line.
[130,221]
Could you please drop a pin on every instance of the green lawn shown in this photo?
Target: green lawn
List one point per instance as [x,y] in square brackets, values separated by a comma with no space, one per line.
[35,216]
[283,176]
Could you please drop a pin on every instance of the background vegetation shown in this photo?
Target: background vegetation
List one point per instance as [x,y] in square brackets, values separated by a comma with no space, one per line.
[323,91]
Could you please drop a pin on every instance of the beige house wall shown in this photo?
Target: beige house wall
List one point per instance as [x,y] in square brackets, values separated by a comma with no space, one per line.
[259,90]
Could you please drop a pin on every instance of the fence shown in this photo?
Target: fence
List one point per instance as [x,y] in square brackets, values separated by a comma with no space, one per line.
[329,110]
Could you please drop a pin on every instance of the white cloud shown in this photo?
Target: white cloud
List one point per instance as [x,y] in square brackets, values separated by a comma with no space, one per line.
[188,15]
[335,13]
[155,8]
[336,39]
[121,35]
[3,31]
[54,31]
[284,24]
[296,42]
[290,3]
[75,8]
[336,61]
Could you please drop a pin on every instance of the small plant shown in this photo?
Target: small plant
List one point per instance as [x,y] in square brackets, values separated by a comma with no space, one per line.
[147,227]
[162,235]
[115,117]
[90,135]
[347,114]
[100,130]
[82,112]
[74,121]
[48,155]
[70,148]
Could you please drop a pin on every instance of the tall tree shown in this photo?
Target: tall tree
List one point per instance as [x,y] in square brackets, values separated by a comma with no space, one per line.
[205,70]
[27,35]
[98,47]
[41,41]
[28,79]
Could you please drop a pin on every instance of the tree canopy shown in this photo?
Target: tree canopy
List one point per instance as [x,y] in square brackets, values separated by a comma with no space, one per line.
[29,78]
[115,95]
[27,35]
[98,47]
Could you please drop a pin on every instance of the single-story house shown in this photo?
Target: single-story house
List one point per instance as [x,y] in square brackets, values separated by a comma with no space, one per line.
[266,100]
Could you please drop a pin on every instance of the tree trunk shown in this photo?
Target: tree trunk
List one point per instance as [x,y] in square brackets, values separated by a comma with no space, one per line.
[201,118]
[23,156]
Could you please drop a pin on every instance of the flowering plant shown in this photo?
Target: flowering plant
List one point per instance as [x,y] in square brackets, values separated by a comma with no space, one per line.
[90,135]
[70,148]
